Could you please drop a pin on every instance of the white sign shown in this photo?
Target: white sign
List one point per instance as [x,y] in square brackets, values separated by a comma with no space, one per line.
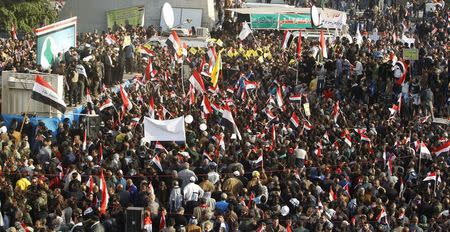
[333,19]
[164,130]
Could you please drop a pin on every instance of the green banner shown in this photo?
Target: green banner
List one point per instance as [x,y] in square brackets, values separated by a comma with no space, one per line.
[133,16]
[264,21]
[294,21]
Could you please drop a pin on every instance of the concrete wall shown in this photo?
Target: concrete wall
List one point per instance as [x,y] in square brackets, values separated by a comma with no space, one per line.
[92,13]
[17,89]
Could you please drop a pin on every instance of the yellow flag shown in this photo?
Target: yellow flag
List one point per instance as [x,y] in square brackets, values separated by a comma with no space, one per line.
[216,70]
[219,42]
[193,51]
[230,53]
[261,59]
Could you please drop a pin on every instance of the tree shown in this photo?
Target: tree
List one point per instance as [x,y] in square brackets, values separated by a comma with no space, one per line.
[26,14]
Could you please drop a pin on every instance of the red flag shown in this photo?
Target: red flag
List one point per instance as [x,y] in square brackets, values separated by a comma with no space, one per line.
[336,111]
[332,195]
[381,215]
[279,97]
[206,106]
[250,199]
[13,33]
[126,101]
[323,46]
[162,221]
[294,119]
[151,108]
[299,45]
[442,149]
[105,195]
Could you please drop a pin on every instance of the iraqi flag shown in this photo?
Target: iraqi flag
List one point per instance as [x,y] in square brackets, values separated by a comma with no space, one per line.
[307,125]
[260,158]
[381,215]
[336,111]
[106,104]
[151,108]
[197,81]
[270,115]
[146,51]
[299,45]
[442,149]
[149,71]
[430,176]
[43,92]
[424,149]
[332,195]
[323,45]
[294,119]
[296,98]
[250,84]
[362,134]
[174,41]
[212,55]
[160,147]
[279,97]
[126,101]
[206,106]
[228,116]
[105,195]
[287,38]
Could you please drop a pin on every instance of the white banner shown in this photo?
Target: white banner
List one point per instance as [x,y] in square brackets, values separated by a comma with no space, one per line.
[164,130]
[333,19]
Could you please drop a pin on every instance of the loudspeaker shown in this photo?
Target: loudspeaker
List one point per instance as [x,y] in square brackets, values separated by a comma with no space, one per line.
[134,219]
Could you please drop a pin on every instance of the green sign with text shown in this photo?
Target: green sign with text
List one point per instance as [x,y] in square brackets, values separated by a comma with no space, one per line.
[264,21]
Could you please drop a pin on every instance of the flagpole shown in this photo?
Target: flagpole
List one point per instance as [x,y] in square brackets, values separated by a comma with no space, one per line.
[420,160]
[25,115]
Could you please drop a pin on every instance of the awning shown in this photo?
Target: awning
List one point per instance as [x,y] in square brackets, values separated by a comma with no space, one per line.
[284,10]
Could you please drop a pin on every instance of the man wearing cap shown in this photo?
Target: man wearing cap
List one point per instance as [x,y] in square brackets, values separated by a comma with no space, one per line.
[192,192]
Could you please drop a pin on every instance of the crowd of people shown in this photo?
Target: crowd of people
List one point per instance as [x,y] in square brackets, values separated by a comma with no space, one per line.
[332,143]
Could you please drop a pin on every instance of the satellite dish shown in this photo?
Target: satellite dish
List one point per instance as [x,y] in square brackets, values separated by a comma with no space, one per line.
[167,15]
[315,17]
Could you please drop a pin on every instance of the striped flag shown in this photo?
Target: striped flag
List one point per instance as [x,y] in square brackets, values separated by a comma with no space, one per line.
[151,108]
[105,195]
[307,125]
[332,195]
[336,111]
[197,81]
[286,39]
[442,149]
[299,45]
[43,92]
[294,119]
[381,215]
[295,98]
[323,46]
[126,101]
[206,106]
[174,41]
[279,97]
